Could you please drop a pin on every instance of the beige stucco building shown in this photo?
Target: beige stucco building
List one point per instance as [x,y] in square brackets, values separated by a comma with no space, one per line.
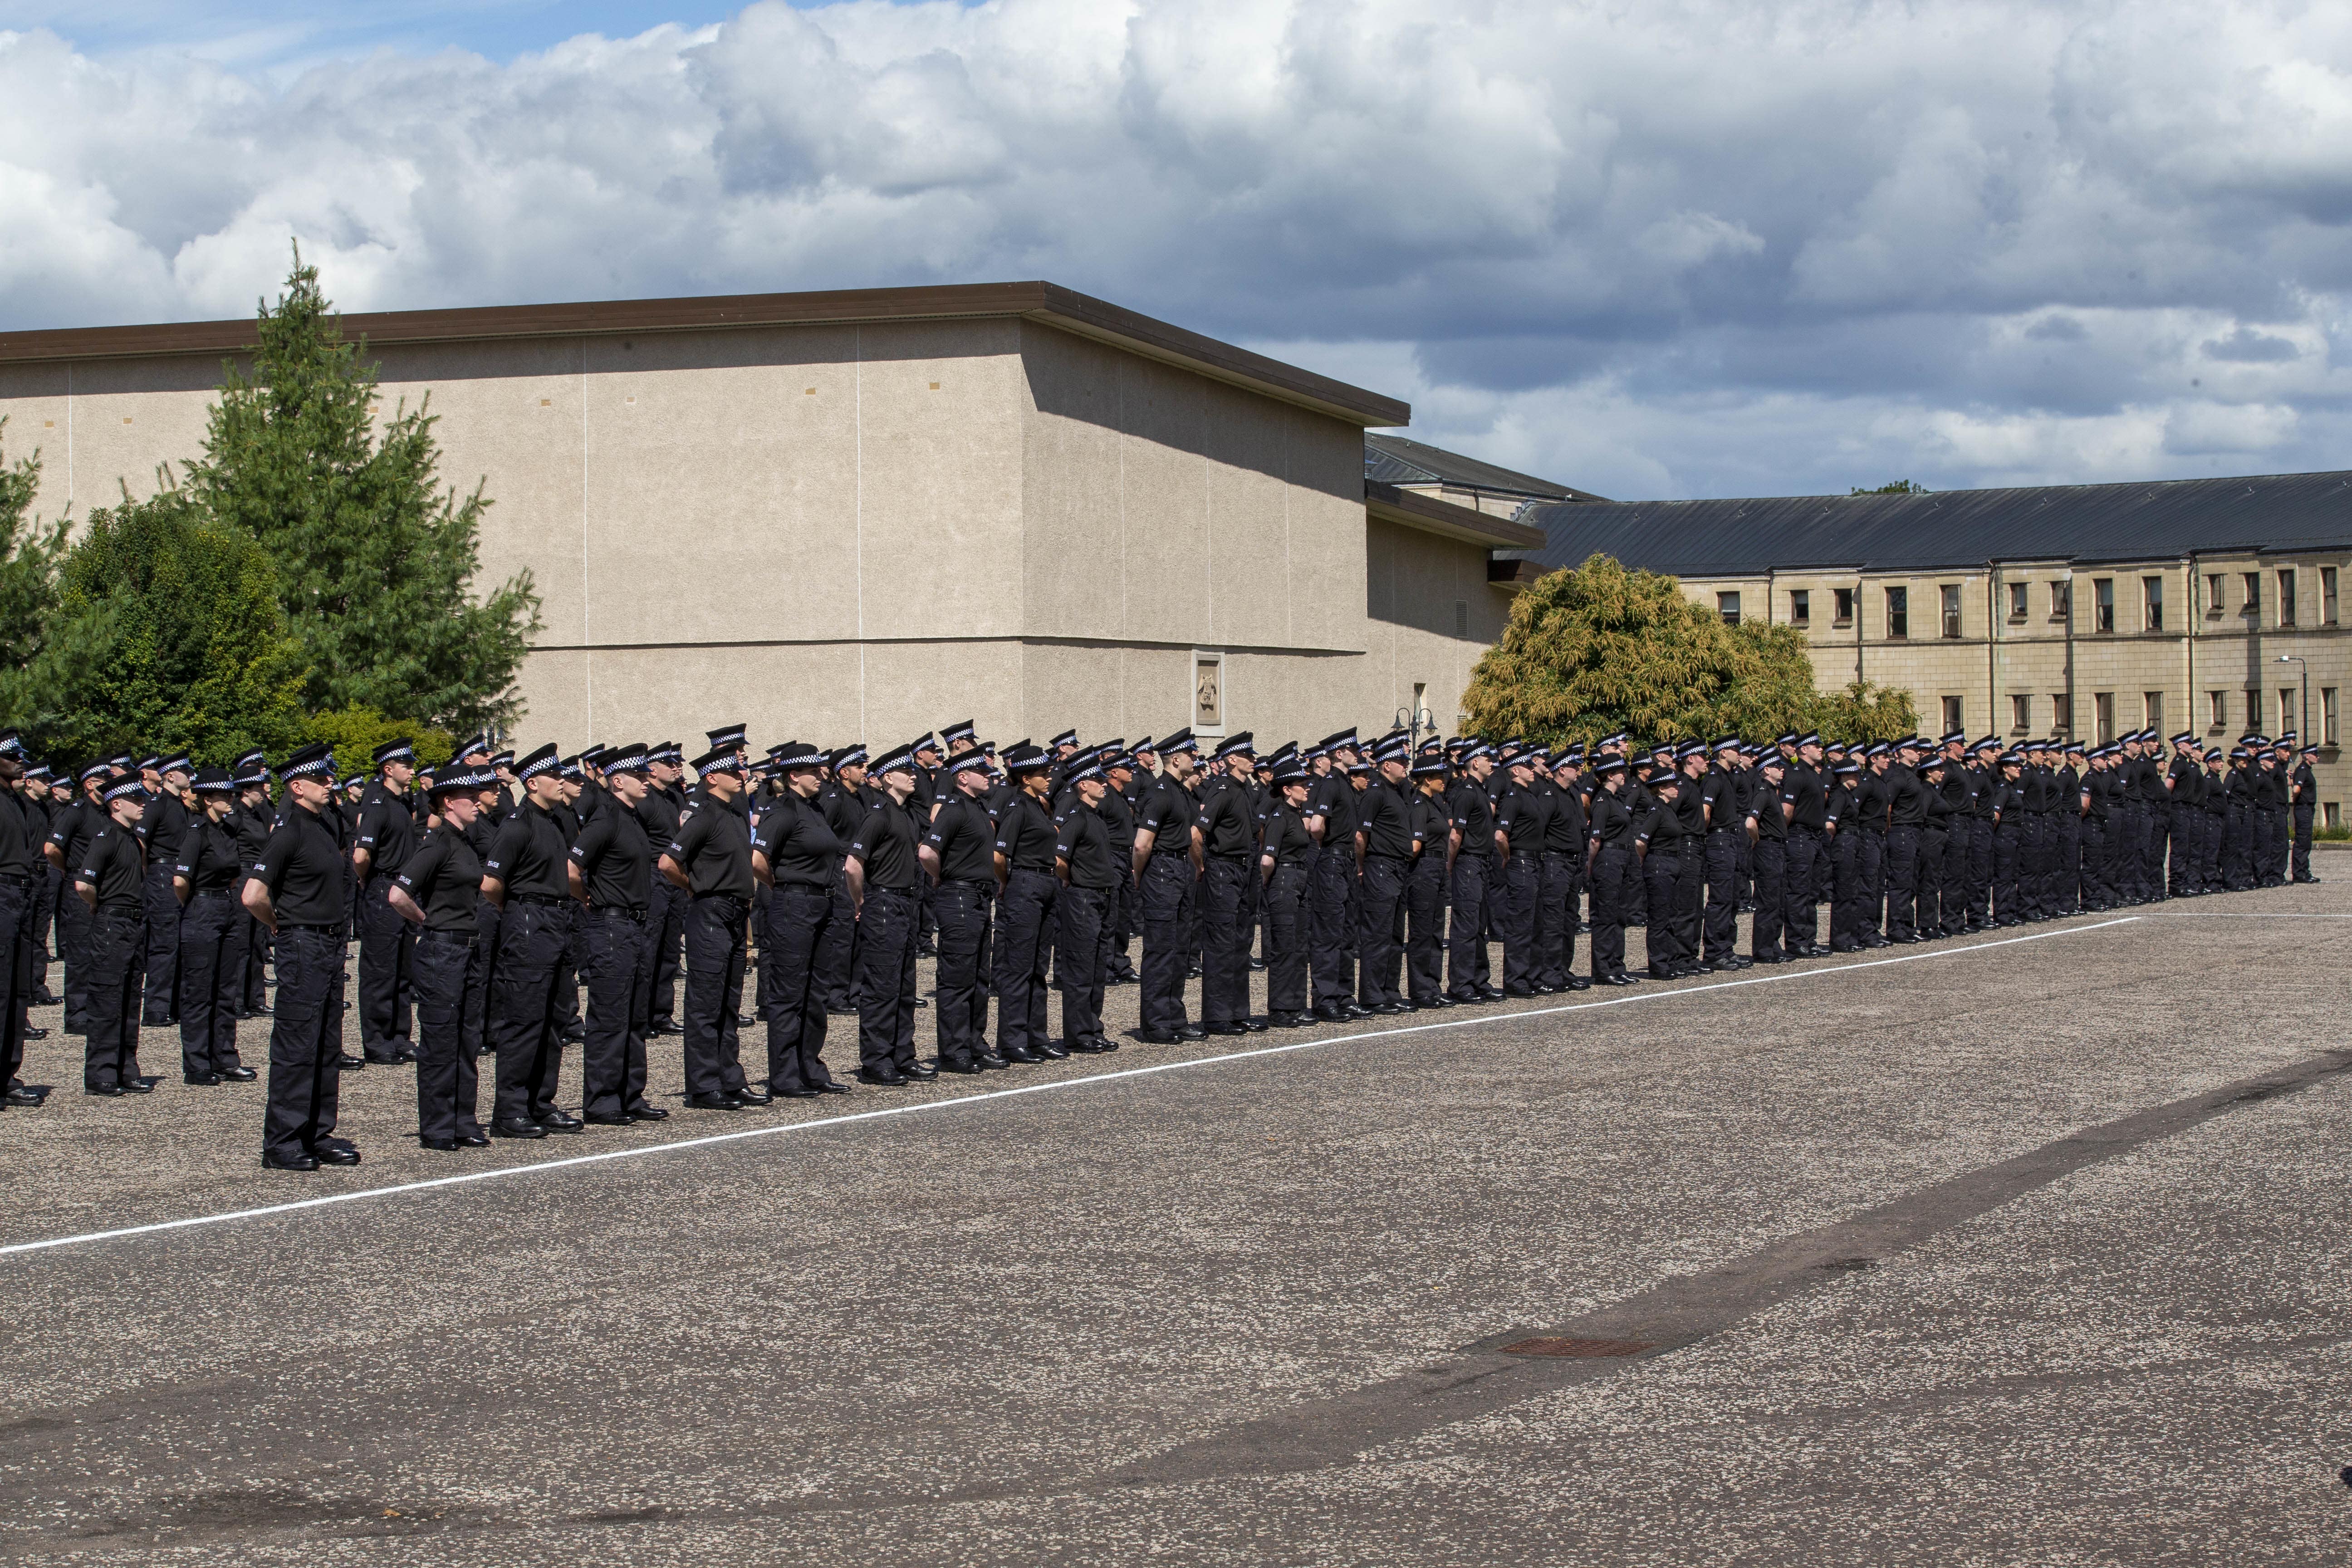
[860,514]
[2206,605]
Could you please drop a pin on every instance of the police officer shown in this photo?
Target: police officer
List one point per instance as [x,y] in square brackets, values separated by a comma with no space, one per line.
[2306,797]
[1472,829]
[387,834]
[845,803]
[711,859]
[883,870]
[1027,893]
[1383,845]
[1330,819]
[798,856]
[1841,841]
[297,889]
[611,875]
[23,881]
[1609,869]
[212,935]
[526,875]
[959,854]
[437,889]
[71,832]
[1084,863]
[1166,872]
[256,816]
[1563,858]
[664,804]
[1521,817]
[111,882]
[1225,828]
[1286,864]
[1767,841]
[1428,886]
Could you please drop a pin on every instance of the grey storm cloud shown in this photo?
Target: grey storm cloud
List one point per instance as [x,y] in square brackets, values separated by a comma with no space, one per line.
[1683,247]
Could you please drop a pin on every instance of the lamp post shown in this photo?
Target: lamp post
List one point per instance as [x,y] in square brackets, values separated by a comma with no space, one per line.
[2303,723]
[1417,722]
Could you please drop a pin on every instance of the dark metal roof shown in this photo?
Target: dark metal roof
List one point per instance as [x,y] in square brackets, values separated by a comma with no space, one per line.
[2159,519]
[1433,515]
[1393,460]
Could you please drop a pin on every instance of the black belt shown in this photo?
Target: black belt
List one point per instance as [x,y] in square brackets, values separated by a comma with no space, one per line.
[899,892]
[624,911]
[16,879]
[444,936]
[972,882]
[537,900]
[319,930]
[200,893]
[1377,855]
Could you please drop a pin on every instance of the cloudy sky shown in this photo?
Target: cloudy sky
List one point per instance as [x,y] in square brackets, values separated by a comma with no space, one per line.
[1650,248]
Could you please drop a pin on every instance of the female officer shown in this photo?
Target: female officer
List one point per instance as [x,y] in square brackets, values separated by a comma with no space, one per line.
[212,935]
[436,889]
[112,872]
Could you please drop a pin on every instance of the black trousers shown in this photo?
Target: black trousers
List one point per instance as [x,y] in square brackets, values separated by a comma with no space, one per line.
[2303,830]
[163,955]
[1123,912]
[1024,914]
[1290,923]
[1554,917]
[1082,958]
[1661,869]
[1933,841]
[305,1043]
[1224,941]
[524,1029]
[1979,892]
[73,948]
[1612,868]
[1380,931]
[1424,943]
[837,956]
[48,884]
[1802,882]
[1166,895]
[2096,893]
[1465,944]
[1331,930]
[20,903]
[2270,845]
[799,919]
[1515,920]
[440,968]
[620,1010]
[1902,879]
[714,994]
[2004,872]
[480,976]
[1769,860]
[886,979]
[1872,853]
[1843,852]
[258,942]
[667,918]
[1722,918]
[212,976]
[110,1046]
[1953,888]
[1690,891]
[387,995]
[2180,869]
[961,1007]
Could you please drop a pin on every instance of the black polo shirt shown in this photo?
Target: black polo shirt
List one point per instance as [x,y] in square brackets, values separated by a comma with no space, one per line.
[801,847]
[1385,821]
[18,852]
[387,829]
[964,838]
[1228,827]
[1522,814]
[713,846]
[1473,818]
[529,855]
[209,861]
[115,863]
[1025,835]
[1283,832]
[1167,815]
[1084,841]
[444,876]
[303,868]
[615,858]
[884,845]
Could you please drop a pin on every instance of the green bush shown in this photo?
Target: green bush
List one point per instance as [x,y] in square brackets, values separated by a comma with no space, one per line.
[356,732]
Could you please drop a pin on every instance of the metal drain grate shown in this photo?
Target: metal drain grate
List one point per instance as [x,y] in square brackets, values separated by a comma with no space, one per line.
[1563,1347]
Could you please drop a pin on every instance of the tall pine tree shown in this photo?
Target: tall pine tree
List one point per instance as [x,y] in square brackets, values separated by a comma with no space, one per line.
[376,560]
[30,551]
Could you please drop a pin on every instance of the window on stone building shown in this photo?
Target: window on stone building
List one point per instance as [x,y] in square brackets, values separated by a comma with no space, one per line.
[2286,710]
[2102,605]
[2217,717]
[2017,601]
[1898,612]
[1727,606]
[1800,607]
[2254,708]
[2327,596]
[2286,596]
[2151,709]
[2062,601]
[1845,607]
[2103,709]
[1954,718]
[2061,713]
[2253,606]
[2213,594]
[2327,715]
[1951,596]
[2151,598]
[2020,711]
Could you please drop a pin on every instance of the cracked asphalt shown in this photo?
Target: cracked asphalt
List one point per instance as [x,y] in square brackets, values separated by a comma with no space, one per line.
[2016,1251]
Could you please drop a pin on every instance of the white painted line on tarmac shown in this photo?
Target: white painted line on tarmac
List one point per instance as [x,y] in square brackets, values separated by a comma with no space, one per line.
[2241,915]
[1088,1080]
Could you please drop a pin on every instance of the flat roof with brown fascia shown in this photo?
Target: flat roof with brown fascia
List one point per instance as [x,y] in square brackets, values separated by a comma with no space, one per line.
[1413,509]
[1049,303]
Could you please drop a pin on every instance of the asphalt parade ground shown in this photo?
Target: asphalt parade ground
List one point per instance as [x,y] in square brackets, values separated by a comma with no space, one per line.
[2025,1247]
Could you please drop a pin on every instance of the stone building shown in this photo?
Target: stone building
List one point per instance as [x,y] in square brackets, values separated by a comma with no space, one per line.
[2082,611]
[862,514]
